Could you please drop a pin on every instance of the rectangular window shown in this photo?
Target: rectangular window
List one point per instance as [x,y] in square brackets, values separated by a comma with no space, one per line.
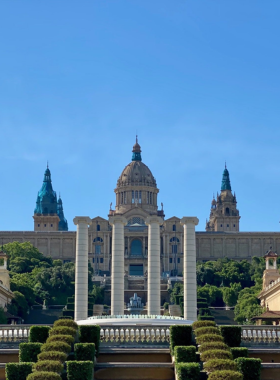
[147,197]
[124,195]
[132,197]
[178,260]
[170,260]
[151,199]
[174,248]
[136,194]
[140,196]
[121,197]
[98,249]
[136,270]
[174,227]
[93,259]
[101,260]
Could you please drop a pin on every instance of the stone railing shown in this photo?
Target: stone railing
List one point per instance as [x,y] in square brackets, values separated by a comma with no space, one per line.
[272,284]
[260,335]
[14,333]
[140,334]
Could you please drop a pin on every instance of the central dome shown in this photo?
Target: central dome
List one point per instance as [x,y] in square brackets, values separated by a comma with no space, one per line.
[136,173]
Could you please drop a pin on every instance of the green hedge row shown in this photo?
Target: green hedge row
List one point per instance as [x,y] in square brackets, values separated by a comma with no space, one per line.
[239,352]
[231,335]
[180,335]
[188,371]
[42,375]
[185,354]
[198,324]
[220,365]
[77,370]
[84,351]
[28,352]
[90,334]
[39,334]
[249,367]
[226,375]
[18,371]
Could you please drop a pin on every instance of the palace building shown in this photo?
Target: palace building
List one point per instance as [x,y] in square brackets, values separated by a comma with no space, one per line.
[136,199]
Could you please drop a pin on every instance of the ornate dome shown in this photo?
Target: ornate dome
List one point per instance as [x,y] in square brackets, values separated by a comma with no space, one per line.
[136,173]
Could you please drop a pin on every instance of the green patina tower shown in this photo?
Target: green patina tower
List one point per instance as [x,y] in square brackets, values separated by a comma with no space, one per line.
[48,213]
[224,215]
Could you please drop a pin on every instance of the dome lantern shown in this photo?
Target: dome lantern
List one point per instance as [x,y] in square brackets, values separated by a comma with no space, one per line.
[136,156]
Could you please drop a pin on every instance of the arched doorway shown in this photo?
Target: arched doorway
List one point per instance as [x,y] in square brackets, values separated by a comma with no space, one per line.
[136,247]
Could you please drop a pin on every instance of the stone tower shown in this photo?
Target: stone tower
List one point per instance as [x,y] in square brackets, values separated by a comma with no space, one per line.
[224,216]
[271,273]
[48,213]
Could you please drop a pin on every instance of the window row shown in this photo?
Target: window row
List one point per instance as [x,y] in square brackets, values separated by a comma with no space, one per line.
[171,260]
[98,260]
[137,197]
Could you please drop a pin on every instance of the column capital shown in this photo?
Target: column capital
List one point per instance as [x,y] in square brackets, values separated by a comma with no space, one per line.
[154,219]
[189,220]
[82,219]
[117,219]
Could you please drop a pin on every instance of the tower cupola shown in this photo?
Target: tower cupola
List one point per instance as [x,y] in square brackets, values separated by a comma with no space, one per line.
[225,180]
[136,151]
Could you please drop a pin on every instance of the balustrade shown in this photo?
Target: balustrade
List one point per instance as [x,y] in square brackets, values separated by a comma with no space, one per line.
[134,334]
[14,333]
[257,335]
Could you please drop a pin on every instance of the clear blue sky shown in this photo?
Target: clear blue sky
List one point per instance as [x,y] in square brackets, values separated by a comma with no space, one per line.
[198,80]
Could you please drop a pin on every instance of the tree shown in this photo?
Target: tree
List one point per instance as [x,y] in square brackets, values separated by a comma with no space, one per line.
[213,295]
[229,296]
[3,318]
[19,305]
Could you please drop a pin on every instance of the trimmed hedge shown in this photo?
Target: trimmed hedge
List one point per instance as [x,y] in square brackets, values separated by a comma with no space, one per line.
[180,335]
[188,371]
[207,330]
[213,346]
[65,322]
[42,375]
[49,366]
[239,352]
[198,324]
[209,338]
[79,370]
[204,310]
[206,318]
[199,299]
[56,346]
[63,330]
[70,306]
[61,338]
[202,305]
[185,354]
[39,334]
[249,367]
[90,334]
[215,354]
[28,352]
[231,335]
[84,351]
[53,355]
[219,365]
[18,371]
[225,375]
[68,314]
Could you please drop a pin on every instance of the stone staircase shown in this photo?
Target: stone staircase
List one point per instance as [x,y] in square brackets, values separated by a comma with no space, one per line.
[127,363]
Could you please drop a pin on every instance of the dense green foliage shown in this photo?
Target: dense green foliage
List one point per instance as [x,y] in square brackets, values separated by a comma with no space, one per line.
[207,330]
[18,371]
[250,368]
[53,355]
[188,371]
[206,318]
[61,338]
[43,375]
[231,335]
[239,352]
[90,334]
[225,375]
[213,346]
[49,366]
[28,352]
[79,370]
[180,335]
[185,354]
[198,324]
[215,354]
[56,346]
[219,365]
[84,351]
[63,330]
[209,338]
[65,323]
[39,334]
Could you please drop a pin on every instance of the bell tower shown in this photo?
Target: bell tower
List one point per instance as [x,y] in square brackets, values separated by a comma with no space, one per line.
[224,215]
[271,273]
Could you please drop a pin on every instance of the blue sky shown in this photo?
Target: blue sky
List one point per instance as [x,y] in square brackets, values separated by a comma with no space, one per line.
[198,80]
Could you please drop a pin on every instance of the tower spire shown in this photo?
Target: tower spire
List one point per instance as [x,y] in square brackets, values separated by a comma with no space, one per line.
[136,151]
[225,180]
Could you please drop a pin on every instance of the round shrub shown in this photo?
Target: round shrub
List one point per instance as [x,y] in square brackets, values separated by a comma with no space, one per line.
[61,338]
[225,375]
[53,355]
[63,330]
[42,375]
[219,365]
[215,354]
[56,346]
[198,324]
[66,323]
[213,346]
[207,330]
[49,366]
[209,338]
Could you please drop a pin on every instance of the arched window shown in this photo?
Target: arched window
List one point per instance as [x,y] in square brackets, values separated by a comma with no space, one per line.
[227,211]
[98,239]
[174,227]
[136,247]
[174,239]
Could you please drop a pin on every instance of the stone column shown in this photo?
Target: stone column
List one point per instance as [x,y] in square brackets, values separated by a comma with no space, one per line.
[154,264]
[190,295]
[117,267]
[81,269]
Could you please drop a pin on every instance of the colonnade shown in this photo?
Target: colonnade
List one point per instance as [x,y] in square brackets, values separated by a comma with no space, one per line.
[117,275]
